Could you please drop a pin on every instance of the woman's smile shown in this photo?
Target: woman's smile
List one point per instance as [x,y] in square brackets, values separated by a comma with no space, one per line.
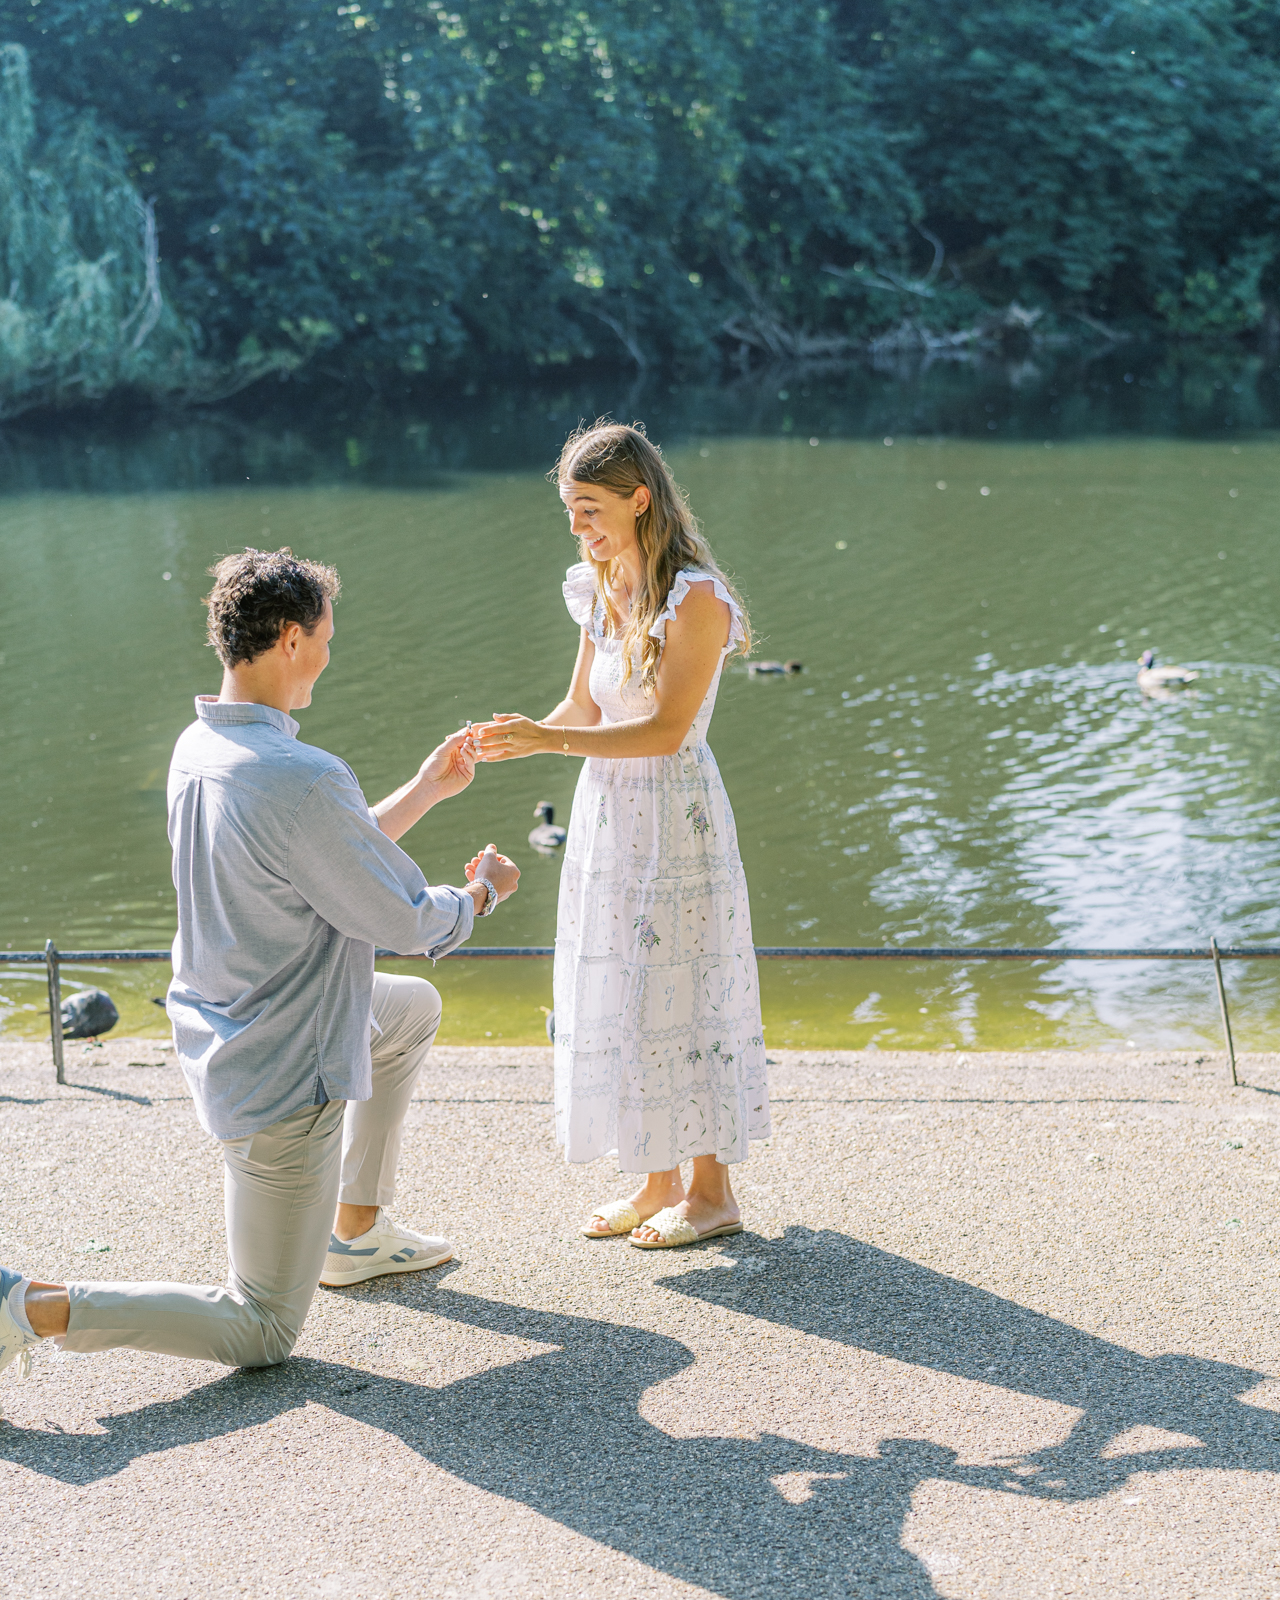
[605,521]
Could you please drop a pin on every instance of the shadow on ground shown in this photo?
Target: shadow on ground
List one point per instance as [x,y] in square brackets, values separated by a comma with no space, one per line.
[561,1432]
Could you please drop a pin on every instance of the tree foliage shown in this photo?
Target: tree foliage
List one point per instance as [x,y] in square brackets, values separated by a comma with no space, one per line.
[83,312]
[401,184]
[1117,158]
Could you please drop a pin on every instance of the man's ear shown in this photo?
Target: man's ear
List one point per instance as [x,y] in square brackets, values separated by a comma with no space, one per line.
[290,633]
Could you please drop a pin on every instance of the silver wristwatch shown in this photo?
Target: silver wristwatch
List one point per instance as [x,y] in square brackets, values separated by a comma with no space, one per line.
[491,902]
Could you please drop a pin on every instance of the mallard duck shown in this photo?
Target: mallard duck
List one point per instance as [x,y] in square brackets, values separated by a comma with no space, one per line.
[774,669]
[1152,679]
[548,836]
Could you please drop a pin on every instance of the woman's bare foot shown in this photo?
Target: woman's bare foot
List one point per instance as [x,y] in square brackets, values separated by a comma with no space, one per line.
[659,1189]
[708,1204]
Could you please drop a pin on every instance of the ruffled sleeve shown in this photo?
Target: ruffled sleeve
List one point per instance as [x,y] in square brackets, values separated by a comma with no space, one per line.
[580,594]
[680,588]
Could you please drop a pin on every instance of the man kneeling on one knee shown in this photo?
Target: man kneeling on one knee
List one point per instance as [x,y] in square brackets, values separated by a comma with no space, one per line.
[286,882]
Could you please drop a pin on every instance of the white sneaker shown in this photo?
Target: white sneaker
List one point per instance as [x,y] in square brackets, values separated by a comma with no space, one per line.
[16,1343]
[387,1247]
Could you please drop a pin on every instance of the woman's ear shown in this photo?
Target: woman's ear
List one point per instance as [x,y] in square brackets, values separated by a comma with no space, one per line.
[641,497]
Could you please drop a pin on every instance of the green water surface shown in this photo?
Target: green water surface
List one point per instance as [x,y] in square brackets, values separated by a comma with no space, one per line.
[965,758]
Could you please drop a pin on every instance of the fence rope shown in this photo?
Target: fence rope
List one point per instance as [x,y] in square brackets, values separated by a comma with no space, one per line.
[54,959]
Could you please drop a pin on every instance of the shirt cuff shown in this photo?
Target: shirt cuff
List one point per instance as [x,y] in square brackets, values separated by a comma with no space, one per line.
[461,931]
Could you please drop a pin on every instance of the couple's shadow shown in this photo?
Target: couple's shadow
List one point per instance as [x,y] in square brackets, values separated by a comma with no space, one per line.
[561,1432]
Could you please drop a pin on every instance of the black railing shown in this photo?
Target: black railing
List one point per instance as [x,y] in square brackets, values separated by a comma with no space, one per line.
[53,959]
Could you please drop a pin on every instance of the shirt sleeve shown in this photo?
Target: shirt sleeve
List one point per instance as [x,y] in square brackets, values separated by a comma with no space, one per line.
[362,883]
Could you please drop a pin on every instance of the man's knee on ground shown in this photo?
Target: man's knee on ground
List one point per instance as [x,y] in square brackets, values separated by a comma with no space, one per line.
[278,1339]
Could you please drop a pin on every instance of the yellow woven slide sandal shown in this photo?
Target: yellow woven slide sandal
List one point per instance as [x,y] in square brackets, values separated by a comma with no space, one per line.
[675,1231]
[619,1216]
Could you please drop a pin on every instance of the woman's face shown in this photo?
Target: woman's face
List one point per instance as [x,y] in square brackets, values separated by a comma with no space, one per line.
[603,519]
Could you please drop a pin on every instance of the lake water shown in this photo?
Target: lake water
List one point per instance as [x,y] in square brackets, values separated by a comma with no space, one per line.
[966,565]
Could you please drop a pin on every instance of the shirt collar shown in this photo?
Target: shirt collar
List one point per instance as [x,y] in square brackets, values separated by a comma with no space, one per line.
[227,713]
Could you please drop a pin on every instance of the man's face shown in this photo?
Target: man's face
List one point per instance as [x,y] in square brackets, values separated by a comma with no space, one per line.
[309,654]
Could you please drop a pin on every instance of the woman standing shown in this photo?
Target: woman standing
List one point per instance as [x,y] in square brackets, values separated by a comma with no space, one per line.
[659,1052]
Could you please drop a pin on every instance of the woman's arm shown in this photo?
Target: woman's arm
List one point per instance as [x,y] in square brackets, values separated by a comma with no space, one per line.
[577,709]
[696,635]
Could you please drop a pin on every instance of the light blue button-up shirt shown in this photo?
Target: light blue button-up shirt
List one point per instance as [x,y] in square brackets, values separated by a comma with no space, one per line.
[285,884]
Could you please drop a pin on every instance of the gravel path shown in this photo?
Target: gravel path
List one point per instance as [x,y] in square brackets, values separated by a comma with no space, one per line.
[1001,1325]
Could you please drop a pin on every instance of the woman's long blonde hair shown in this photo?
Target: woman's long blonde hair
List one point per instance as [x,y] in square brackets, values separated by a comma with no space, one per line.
[619,458]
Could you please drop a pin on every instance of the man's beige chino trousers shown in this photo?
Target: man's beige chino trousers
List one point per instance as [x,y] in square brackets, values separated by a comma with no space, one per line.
[282,1186]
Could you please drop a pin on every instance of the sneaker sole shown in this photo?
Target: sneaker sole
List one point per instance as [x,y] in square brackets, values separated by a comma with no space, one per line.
[363,1274]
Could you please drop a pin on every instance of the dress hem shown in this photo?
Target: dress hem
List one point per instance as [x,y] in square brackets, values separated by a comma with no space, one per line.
[612,1155]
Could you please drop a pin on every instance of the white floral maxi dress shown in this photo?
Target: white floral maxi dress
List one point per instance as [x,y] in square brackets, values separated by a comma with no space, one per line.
[659,1052]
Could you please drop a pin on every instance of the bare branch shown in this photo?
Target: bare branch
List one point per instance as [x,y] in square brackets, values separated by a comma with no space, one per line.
[625,336]
[939,254]
[1100,327]
[150,301]
[882,278]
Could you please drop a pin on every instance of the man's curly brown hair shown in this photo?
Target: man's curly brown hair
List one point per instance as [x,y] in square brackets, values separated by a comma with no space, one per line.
[256,593]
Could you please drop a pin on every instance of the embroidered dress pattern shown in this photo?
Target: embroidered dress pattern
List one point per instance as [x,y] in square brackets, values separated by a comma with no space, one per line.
[696,816]
[659,1052]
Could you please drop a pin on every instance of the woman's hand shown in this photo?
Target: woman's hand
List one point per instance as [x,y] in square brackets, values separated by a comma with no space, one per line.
[509,736]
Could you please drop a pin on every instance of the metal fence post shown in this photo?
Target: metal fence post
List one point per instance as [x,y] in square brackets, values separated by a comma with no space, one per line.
[1222,1006]
[51,960]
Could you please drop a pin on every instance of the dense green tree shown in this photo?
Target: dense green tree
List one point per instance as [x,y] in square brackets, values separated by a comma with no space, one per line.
[393,185]
[531,178]
[1120,159]
[83,312]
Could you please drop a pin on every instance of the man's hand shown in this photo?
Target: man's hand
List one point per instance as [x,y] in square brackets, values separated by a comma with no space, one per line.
[501,871]
[451,766]
[447,771]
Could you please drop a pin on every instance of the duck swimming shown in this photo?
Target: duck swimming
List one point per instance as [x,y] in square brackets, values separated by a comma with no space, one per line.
[1153,680]
[774,669]
[548,836]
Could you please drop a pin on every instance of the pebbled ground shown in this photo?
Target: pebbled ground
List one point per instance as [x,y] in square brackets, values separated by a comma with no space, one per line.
[1000,1325]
